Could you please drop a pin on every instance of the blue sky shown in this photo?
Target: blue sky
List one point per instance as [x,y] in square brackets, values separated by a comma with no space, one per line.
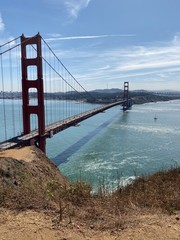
[104,42]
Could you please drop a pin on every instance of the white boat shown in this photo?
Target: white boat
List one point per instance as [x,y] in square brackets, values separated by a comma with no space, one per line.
[155,117]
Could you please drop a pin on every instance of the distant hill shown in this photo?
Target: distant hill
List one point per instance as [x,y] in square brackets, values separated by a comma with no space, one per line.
[112,90]
[102,95]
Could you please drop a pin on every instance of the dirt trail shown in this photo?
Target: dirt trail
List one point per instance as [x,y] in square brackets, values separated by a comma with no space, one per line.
[32,225]
[27,154]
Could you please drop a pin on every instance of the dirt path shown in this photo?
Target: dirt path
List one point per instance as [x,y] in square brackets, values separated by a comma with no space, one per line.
[26,153]
[31,225]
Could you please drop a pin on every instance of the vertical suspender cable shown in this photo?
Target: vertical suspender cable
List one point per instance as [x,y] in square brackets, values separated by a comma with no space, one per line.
[70,94]
[12,93]
[55,92]
[50,90]
[18,90]
[46,89]
[58,98]
[63,90]
[4,107]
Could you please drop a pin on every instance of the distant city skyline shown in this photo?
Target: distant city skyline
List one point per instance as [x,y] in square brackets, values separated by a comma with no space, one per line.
[104,43]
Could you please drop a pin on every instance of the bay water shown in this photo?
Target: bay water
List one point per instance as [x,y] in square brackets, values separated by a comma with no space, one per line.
[115,147]
[112,147]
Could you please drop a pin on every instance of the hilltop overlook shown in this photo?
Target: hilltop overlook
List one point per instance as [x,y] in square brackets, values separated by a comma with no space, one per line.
[37,202]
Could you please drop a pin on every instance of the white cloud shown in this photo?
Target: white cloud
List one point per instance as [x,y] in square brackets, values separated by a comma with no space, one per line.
[155,62]
[2,26]
[75,37]
[54,35]
[141,64]
[56,38]
[4,36]
[151,58]
[75,6]
[149,65]
[72,7]
[176,39]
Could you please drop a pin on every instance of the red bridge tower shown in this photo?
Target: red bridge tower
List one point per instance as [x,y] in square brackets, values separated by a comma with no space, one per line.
[36,83]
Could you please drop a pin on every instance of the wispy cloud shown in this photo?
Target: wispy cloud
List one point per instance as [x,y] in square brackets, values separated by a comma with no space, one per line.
[176,39]
[3,36]
[75,6]
[54,35]
[158,63]
[72,7]
[55,38]
[75,37]
[133,58]
[155,65]
[149,65]
[151,58]
[2,26]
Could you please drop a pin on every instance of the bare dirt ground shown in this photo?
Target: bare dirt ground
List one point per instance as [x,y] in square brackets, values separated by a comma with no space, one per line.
[27,154]
[33,225]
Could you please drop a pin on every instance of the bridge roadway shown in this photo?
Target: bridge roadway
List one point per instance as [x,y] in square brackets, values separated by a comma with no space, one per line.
[56,127]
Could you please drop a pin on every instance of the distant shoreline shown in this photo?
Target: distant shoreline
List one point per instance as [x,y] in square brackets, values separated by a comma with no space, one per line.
[137,99]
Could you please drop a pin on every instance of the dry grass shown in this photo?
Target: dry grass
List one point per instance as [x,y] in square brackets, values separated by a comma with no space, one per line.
[37,184]
[157,193]
[161,190]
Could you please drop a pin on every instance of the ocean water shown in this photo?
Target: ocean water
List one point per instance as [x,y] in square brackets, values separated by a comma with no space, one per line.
[112,147]
[115,147]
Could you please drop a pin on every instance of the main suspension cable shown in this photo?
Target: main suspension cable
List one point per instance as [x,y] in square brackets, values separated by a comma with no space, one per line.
[67,69]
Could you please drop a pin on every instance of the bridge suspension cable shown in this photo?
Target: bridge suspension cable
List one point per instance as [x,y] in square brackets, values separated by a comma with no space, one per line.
[3,98]
[68,89]
[55,55]
[8,43]
[10,89]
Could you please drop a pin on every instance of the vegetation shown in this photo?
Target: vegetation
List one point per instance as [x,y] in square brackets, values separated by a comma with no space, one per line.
[36,184]
[103,210]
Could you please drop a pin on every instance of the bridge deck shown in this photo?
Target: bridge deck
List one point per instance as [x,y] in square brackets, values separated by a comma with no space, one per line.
[54,128]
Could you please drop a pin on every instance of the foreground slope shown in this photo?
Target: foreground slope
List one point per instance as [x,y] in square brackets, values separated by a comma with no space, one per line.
[37,202]
[25,175]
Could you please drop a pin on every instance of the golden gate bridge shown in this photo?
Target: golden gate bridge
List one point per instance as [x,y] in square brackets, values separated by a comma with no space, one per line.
[31,73]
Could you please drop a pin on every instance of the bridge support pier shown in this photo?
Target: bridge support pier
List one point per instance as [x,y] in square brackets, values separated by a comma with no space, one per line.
[36,83]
